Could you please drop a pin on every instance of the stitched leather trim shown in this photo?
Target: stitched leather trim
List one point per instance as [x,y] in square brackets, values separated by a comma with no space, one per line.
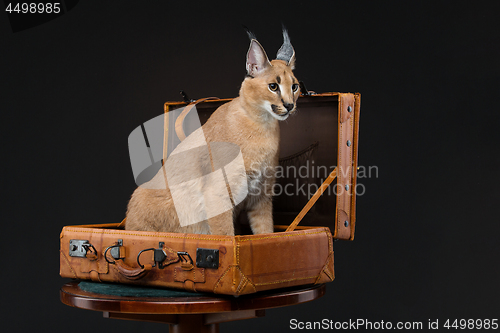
[246,278]
[222,276]
[330,257]
[326,270]
[242,285]
[284,235]
[355,138]
[119,232]
[328,273]
[243,277]
[287,280]
[344,166]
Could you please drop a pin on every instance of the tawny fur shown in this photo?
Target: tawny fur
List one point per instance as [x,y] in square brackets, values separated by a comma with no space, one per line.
[249,121]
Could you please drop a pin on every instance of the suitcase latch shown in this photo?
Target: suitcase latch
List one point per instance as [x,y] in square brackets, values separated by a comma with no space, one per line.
[80,247]
[207,258]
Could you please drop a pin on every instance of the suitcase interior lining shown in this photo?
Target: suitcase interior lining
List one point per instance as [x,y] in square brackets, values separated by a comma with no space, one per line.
[310,138]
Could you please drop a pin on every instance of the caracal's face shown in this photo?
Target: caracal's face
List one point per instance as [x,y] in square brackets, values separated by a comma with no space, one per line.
[276,90]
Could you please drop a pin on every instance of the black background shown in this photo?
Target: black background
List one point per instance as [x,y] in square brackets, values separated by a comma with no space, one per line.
[426,243]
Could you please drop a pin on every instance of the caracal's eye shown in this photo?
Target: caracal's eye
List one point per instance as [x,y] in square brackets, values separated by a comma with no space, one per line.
[295,87]
[273,87]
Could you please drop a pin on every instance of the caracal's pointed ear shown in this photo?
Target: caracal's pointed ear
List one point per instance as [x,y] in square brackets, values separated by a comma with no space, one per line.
[257,60]
[286,51]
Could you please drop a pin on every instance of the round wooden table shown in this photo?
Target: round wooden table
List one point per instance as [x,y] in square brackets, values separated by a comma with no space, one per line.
[197,313]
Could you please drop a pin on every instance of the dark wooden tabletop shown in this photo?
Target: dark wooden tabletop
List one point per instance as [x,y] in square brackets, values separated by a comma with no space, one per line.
[72,295]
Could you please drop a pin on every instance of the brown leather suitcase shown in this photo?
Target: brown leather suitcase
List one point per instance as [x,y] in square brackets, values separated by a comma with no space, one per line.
[321,140]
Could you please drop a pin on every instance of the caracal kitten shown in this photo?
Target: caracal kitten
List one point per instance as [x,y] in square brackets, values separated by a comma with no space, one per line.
[267,95]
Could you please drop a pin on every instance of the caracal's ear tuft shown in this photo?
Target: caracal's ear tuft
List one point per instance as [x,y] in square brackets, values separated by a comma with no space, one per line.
[257,60]
[286,51]
[250,34]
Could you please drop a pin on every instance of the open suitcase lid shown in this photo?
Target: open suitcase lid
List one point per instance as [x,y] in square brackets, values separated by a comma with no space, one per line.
[330,138]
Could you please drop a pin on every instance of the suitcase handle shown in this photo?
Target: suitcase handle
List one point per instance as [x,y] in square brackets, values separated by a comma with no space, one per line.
[125,270]
[131,273]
